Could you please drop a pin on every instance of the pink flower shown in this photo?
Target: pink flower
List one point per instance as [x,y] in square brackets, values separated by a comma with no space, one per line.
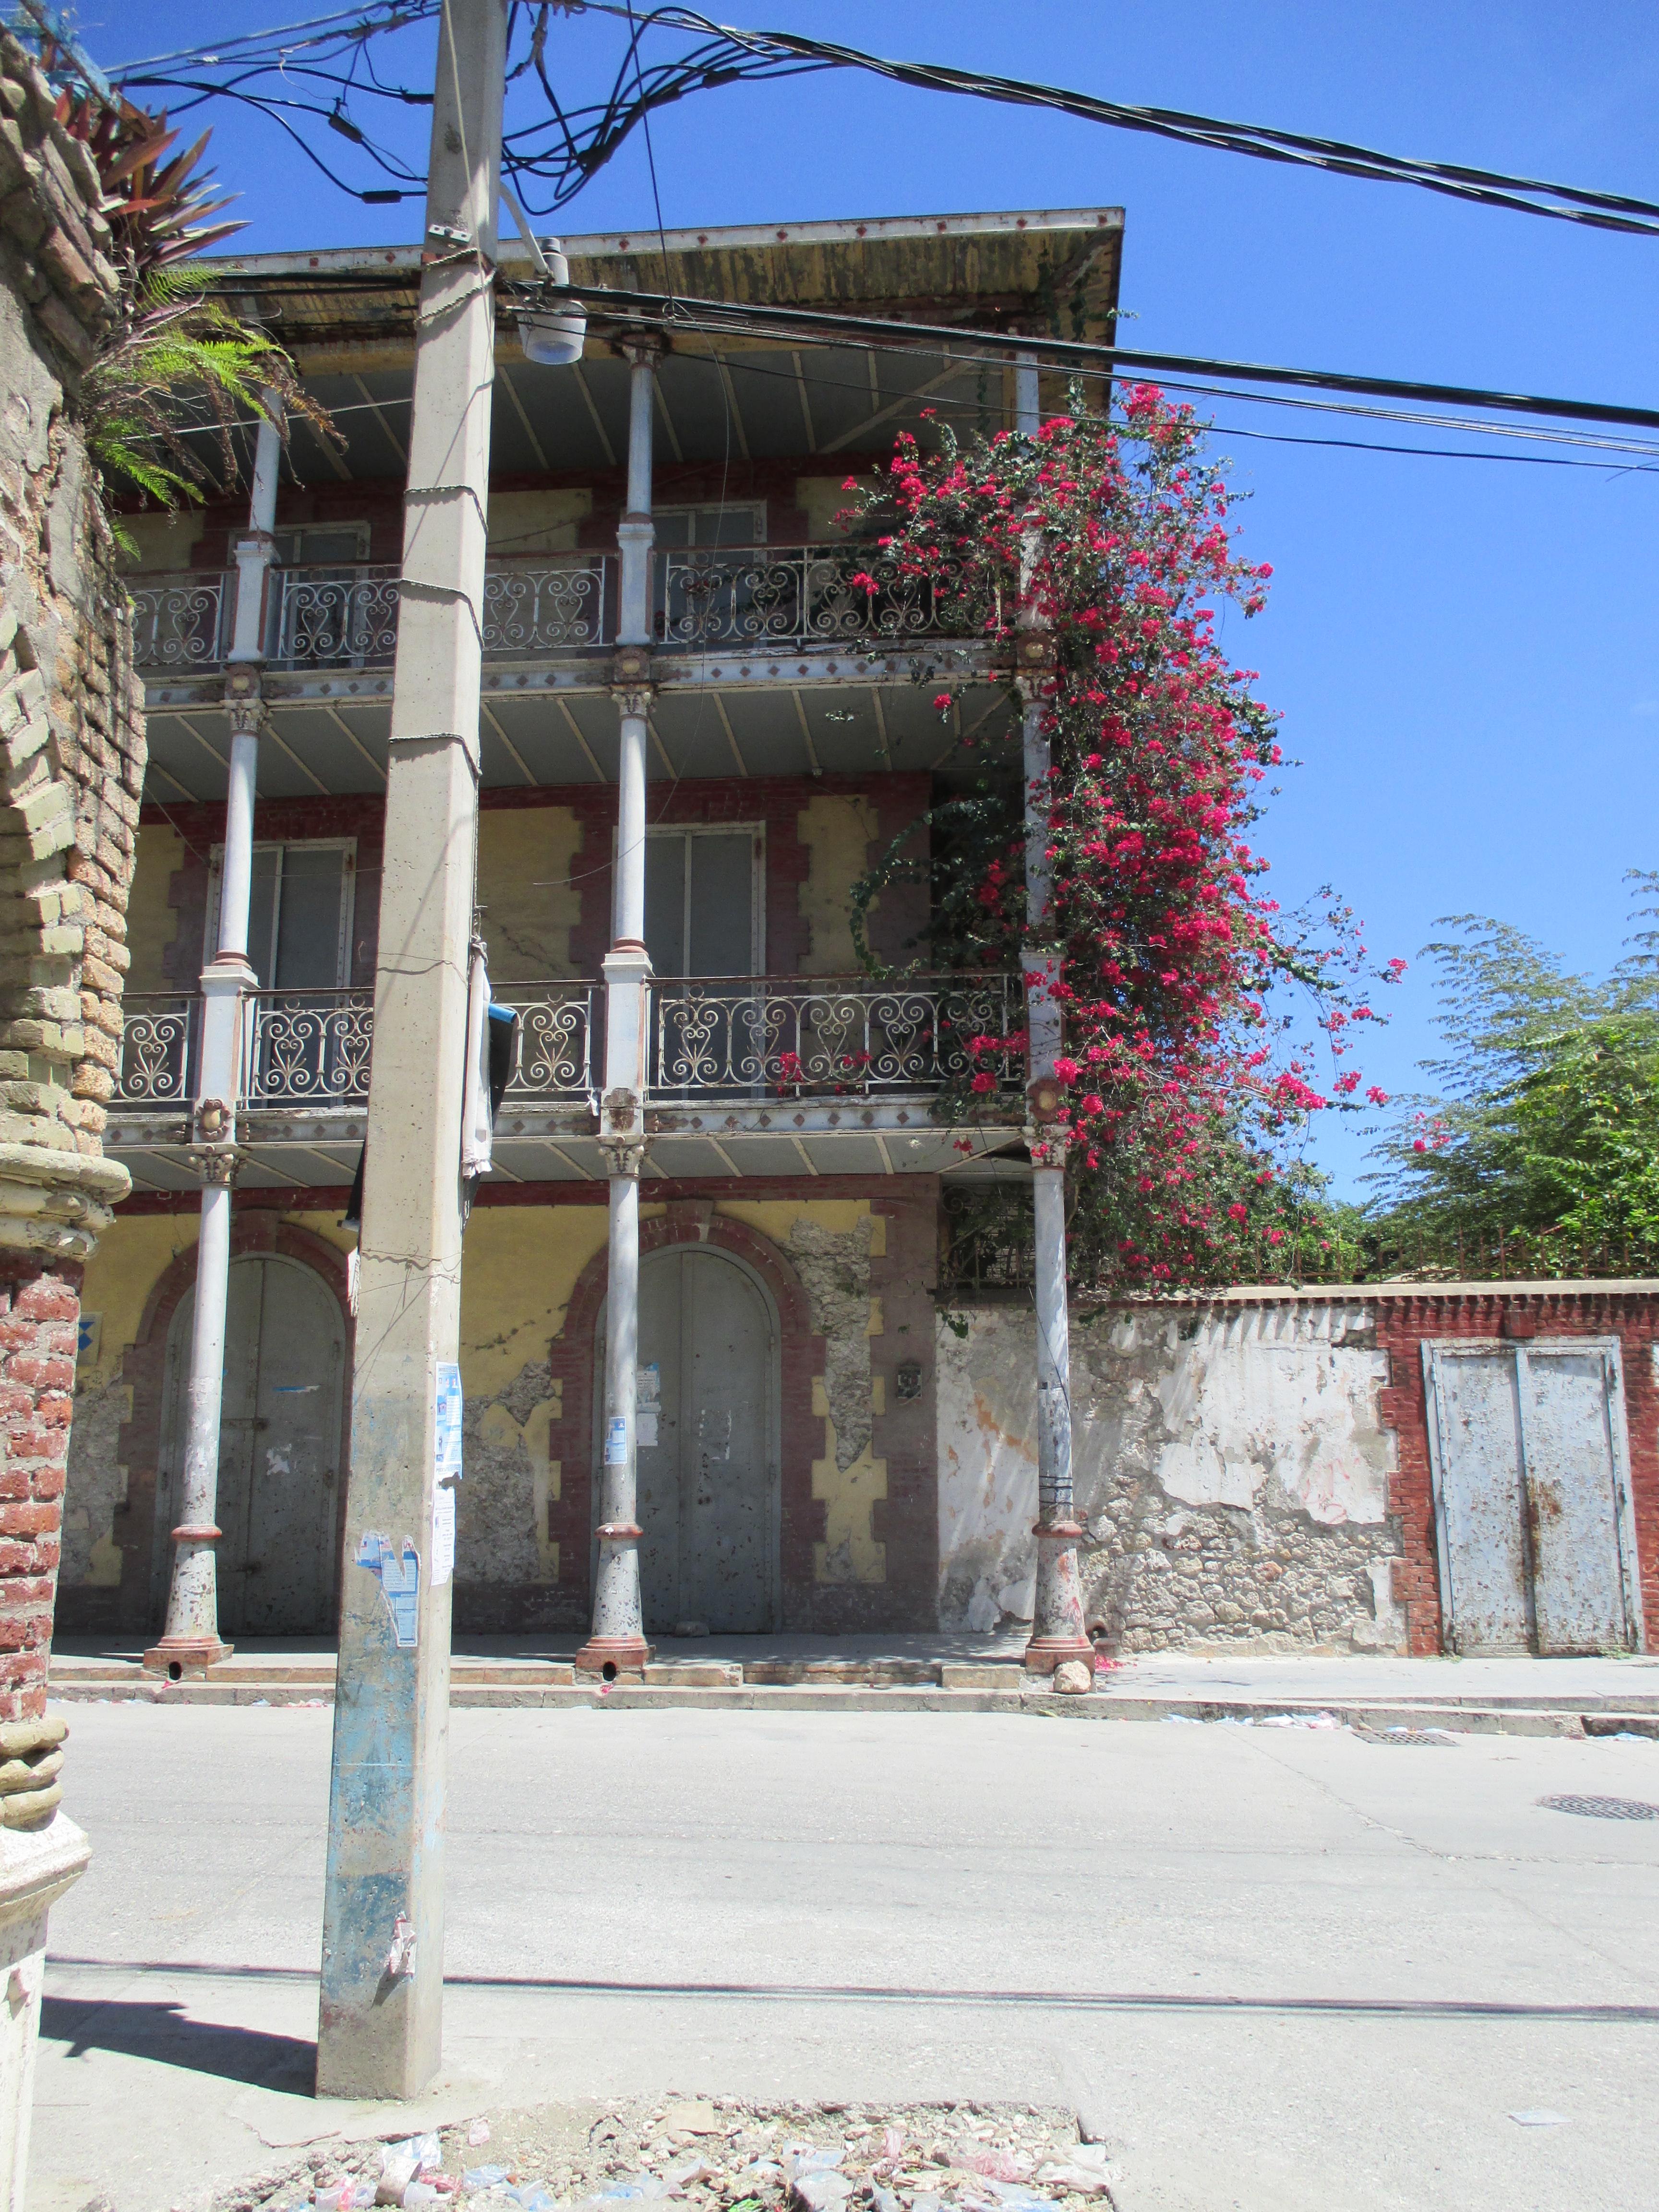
[1066,1070]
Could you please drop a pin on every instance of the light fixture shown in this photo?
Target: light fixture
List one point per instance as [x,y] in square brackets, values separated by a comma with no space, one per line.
[553,337]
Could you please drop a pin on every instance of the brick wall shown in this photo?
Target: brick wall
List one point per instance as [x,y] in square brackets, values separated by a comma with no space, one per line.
[71,768]
[1405,1320]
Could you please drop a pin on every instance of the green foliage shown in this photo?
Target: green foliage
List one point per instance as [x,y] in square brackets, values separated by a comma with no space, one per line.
[183,364]
[1543,1117]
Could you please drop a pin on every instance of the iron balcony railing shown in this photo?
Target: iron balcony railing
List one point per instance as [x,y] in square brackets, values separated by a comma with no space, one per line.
[832,1037]
[745,1038]
[729,598]
[310,1050]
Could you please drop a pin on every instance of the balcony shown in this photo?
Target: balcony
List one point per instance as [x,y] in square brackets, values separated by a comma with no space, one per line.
[734,1065]
[728,599]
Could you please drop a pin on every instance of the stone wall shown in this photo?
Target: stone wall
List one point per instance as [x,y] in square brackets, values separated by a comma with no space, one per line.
[71,768]
[1231,1466]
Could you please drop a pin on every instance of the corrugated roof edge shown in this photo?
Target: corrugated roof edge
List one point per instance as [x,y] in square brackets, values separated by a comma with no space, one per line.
[598,245]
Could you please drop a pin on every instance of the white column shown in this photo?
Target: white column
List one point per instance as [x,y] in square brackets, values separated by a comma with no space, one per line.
[380,2016]
[191,1640]
[1057,1627]
[617,1642]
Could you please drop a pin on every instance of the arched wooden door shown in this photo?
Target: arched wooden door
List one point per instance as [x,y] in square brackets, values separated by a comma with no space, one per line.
[279,1447]
[708,1449]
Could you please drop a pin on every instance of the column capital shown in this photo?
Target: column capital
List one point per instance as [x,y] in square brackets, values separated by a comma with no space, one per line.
[244,699]
[218,1165]
[641,346]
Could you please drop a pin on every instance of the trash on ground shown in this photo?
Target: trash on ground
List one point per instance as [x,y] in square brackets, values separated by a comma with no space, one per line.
[477,2133]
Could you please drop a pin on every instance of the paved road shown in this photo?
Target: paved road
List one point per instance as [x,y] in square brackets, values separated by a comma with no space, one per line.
[1290,1969]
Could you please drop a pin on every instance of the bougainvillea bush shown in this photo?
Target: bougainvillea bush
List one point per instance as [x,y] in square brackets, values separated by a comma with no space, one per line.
[1184,988]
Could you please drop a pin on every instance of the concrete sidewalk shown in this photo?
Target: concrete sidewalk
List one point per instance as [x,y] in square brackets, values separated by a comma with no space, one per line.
[896,1674]
[1293,1969]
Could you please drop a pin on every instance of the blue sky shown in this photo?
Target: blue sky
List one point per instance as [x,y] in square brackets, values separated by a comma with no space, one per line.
[1465,652]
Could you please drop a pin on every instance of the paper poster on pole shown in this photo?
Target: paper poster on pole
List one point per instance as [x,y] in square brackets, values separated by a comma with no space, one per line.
[443,1534]
[446,1422]
[616,1442]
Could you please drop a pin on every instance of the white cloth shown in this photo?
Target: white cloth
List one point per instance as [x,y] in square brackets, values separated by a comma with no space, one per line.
[477,1131]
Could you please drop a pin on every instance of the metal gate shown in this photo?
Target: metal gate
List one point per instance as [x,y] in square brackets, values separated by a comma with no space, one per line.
[1534,1514]
[706,1424]
[279,1445]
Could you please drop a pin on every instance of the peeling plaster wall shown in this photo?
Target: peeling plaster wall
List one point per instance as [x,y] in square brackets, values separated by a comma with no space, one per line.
[1232,1469]
[152,918]
[526,861]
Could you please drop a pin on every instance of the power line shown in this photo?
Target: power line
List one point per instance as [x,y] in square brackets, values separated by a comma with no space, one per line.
[564,150]
[714,315]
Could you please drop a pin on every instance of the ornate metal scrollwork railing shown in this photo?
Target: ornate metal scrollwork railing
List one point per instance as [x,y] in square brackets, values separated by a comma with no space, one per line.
[756,596]
[307,1048]
[312,1050]
[158,1050]
[179,623]
[542,608]
[560,1027]
[825,1036]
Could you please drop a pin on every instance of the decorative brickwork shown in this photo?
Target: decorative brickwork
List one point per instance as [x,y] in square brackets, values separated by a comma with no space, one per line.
[71,768]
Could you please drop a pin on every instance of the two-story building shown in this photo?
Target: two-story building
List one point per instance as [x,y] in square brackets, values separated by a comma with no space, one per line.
[798,1163]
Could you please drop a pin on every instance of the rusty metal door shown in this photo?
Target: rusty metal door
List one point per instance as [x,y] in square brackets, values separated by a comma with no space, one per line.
[279,1441]
[706,1424]
[1533,1504]
[726,1488]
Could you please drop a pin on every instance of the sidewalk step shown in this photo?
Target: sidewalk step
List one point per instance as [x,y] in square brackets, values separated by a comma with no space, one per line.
[546,1692]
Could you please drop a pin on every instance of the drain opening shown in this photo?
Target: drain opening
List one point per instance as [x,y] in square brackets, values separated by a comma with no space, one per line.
[1602,1808]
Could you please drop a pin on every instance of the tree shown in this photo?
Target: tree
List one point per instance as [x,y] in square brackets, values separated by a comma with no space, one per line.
[1543,1120]
[1185,1095]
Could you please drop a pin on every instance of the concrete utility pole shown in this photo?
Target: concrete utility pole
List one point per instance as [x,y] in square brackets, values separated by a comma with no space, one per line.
[1057,1630]
[617,1642]
[380,2024]
[191,1640]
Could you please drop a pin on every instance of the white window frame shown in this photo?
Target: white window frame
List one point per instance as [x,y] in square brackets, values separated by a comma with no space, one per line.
[757,508]
[755,831]
[347,902]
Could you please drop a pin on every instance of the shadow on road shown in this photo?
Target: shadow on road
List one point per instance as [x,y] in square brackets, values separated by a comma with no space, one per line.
[162,2032]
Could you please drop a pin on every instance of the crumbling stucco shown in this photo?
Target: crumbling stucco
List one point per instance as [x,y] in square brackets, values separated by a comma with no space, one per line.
[96,1487]
[509,1482]
[833,1266]
[1229,1467]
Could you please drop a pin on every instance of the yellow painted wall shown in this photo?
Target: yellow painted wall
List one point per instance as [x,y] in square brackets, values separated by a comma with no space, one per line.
[121,1274]
[529,522]
[821,499]
[837,832]
[152,924]
[163,540]
[526,856]
[773,1217]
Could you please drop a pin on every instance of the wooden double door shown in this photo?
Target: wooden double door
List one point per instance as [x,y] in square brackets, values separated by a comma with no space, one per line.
[706,1423]
[280,1469]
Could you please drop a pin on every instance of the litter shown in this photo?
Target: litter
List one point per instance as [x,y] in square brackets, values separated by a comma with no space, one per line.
[812,2158]
[1184,1720]
[1534,2118]
[483,2177]
[1087,2171]
[477,2133]
[995,2164]
[1300,1720]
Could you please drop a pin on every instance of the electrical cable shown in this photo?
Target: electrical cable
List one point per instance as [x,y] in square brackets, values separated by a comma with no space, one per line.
[738,319]
[566,148]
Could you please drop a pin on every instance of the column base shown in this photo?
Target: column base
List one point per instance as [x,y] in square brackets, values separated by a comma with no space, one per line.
[175,1656]
[1044,1653]
[613,1657]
